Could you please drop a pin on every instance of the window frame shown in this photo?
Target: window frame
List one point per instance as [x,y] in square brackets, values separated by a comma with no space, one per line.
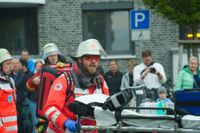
[29,15]
[108,7]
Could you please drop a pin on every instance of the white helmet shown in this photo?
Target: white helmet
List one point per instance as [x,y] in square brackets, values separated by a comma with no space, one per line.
[90,47]
[50,49]
[4,55]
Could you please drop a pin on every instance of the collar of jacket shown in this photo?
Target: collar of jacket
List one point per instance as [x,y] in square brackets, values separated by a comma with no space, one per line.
[4,77]
[116,73]
[186,68]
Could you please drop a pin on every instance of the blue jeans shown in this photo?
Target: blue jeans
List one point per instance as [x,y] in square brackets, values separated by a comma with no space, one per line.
[33,107]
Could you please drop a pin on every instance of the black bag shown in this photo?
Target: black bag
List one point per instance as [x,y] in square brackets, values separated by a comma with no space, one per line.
[118,100]
[48,75]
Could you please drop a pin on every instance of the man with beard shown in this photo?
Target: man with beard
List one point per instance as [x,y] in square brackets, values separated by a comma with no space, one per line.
[86,80]
[149,73]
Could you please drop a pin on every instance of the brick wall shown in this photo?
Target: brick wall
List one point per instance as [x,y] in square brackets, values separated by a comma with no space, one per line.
[60,21]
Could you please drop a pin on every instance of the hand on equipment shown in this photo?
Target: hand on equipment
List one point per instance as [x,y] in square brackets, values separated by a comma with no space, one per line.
[71,125]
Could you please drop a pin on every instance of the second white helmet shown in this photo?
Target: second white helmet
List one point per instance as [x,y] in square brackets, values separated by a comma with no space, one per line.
[50,49]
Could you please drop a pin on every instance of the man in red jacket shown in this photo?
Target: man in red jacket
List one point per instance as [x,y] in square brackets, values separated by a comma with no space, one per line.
[86,80]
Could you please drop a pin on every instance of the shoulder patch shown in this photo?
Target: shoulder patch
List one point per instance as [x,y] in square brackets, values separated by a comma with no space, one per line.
[58,87]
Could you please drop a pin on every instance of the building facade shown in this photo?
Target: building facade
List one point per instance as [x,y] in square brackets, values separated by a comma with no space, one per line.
[68,22]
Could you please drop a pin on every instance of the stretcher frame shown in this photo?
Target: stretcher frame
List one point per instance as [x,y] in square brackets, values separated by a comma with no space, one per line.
[120,126]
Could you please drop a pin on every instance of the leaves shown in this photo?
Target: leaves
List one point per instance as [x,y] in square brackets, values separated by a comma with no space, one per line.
[182,12]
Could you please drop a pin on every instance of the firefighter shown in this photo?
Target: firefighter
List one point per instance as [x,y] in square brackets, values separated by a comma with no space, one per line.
[86,80]
[51,56]
[8,112]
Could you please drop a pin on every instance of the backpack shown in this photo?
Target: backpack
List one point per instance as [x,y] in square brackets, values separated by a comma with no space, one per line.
[48,75]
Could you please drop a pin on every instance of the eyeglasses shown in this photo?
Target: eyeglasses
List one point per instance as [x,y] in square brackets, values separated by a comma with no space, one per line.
[92,57]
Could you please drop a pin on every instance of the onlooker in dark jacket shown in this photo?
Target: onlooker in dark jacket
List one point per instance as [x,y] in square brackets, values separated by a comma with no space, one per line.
[113,78]
[20,81]
[25,56]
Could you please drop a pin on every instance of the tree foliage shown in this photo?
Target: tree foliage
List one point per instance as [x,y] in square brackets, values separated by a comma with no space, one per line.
[182,12]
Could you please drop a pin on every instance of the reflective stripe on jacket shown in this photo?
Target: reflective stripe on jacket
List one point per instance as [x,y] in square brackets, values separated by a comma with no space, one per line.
[8,112]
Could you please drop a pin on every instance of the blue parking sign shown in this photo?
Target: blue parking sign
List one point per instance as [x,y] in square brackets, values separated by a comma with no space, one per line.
[139,19]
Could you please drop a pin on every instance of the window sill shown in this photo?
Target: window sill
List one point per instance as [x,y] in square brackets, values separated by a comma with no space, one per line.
[118,57]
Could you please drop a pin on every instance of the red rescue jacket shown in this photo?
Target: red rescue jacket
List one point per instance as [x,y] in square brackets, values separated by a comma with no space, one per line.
[8,111]
[56,109]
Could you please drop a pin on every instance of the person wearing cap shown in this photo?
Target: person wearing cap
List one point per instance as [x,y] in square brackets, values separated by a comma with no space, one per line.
[162,93]
[163,101]
[86,80]
[51,56]
[8,112]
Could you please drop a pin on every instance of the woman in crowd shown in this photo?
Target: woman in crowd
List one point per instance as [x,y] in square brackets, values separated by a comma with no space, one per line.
[189,76]
[127,79]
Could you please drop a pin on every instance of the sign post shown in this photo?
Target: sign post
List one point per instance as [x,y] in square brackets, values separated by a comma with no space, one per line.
[140,24]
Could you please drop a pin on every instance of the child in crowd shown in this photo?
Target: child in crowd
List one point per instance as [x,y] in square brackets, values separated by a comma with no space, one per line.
[163,101]
[162,93]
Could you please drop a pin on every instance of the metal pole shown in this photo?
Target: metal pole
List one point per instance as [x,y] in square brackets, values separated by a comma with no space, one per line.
[141,38]
[188,52]
[180,56]
[139,129]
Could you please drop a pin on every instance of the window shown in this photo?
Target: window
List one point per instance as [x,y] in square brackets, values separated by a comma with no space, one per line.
[110,27]
[18,30]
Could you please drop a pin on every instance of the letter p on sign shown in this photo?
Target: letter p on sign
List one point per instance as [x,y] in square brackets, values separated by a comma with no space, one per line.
[139,19]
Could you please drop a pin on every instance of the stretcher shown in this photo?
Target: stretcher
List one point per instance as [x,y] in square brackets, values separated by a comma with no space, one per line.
[131,121]
[127,119]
